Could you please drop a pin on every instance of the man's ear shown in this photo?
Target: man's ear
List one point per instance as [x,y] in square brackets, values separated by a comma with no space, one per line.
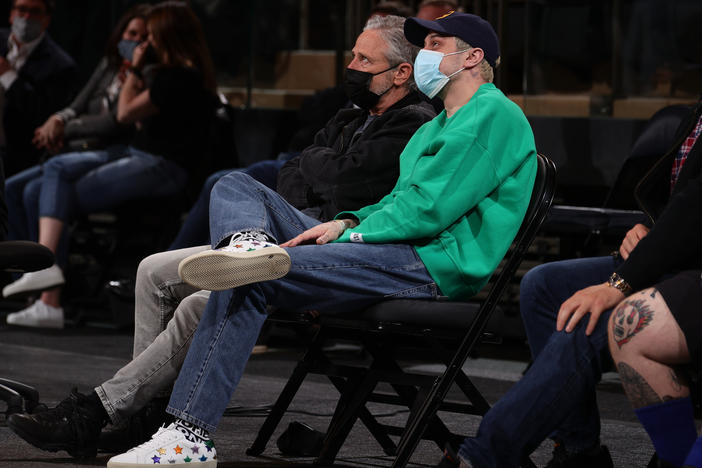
[403,72]
[474,57]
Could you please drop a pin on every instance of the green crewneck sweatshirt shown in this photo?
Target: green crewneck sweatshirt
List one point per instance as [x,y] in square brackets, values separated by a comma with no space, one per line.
[463,190]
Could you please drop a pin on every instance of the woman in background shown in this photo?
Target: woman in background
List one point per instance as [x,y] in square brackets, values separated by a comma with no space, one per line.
[90,121]
[169,92]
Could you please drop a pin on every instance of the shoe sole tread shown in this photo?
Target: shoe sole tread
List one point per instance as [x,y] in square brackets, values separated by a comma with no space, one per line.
[219,271]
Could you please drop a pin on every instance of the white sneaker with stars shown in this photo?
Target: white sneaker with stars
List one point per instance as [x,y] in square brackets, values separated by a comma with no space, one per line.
[168,446]
[248,258]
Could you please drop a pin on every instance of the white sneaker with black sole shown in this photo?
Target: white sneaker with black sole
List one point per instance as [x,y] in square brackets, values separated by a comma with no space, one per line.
[248,258]
[35,281]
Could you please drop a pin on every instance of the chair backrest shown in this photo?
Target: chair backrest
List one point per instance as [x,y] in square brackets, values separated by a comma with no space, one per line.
[655,140]
[541,199]
[539,204]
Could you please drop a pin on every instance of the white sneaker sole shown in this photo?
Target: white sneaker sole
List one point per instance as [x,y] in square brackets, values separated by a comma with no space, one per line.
[195,463]
[44,323]
[218,270]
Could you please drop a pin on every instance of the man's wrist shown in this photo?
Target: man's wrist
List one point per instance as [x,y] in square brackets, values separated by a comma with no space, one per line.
[347,223]
[617,282]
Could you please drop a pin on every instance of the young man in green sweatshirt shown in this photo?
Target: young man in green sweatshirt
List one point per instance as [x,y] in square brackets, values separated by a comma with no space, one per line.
[464,186]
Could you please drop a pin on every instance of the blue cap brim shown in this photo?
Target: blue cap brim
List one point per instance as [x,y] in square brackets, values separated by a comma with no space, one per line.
[417,29]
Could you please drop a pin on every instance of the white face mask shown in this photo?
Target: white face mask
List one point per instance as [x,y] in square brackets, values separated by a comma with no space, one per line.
[426,71]
[26,29]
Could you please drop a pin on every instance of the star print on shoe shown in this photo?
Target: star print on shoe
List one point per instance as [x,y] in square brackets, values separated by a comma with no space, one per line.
[249,257]
[168,445]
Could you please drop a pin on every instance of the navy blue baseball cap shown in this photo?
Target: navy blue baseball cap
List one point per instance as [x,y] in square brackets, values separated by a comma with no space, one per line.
[471,28]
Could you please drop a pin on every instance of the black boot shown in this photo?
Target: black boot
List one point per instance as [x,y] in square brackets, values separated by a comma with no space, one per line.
[137,429]
[597,457]
[74,425]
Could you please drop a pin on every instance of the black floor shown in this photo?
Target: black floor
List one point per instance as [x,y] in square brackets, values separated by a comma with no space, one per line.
[56,361]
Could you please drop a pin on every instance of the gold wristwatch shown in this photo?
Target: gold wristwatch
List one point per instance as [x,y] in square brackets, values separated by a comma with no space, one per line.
[619,283]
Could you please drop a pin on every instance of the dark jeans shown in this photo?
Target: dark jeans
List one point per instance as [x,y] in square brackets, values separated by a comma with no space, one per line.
[556,397]
[331,278]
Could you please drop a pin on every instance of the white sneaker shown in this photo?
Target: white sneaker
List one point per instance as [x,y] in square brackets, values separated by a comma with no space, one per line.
[35,281]
[39,314]
[167,446]
[249,258]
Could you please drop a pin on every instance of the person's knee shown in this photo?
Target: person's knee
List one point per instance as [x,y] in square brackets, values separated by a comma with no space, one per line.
[54,166]
[151,268]
[234,181]
[626,324]
[534,284]
[190,309]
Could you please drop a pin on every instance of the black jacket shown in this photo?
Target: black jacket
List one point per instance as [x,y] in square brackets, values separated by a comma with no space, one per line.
[45,84]
[673,244]
[343,172]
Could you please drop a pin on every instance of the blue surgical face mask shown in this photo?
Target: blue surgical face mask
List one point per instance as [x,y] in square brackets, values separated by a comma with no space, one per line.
[26,29]
[126,49]
[426,71]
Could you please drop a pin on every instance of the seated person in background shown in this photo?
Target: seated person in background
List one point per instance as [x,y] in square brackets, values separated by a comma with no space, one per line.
[90,121]
[432,9]
[163,300]
[464,185]
[654,335]
[36,78]
[174,105]
[394,8]
[314,114]
[90,118]
[554,299]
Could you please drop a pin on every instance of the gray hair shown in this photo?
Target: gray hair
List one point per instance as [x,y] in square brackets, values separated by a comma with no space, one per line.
[486,71]
[399,49]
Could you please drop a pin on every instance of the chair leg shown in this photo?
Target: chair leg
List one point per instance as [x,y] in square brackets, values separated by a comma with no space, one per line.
[278,410]
[351,403]
[374,427]
[472,393]
[436,429]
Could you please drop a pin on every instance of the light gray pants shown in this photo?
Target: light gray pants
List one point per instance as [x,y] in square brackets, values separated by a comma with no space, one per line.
[167,312]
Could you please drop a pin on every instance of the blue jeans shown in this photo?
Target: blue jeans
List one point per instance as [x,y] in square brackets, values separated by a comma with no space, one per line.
[331,278]
[556,397]
[195,230]
[77,183]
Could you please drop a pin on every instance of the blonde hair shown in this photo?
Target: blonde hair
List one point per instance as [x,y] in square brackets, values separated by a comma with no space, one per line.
[486,71]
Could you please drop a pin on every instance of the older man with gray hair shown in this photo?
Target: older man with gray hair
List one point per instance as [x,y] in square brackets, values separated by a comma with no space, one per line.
[352,163]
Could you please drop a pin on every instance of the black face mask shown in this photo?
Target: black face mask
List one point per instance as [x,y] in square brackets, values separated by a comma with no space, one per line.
[356,86]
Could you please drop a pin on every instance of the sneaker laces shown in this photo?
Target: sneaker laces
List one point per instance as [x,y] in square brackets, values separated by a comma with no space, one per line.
[154,442]
[259,236]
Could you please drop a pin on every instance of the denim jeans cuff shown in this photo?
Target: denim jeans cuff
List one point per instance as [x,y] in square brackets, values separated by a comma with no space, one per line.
[109,408]
[191,419]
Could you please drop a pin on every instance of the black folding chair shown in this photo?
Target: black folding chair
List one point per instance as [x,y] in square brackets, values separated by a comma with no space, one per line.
[383,330]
